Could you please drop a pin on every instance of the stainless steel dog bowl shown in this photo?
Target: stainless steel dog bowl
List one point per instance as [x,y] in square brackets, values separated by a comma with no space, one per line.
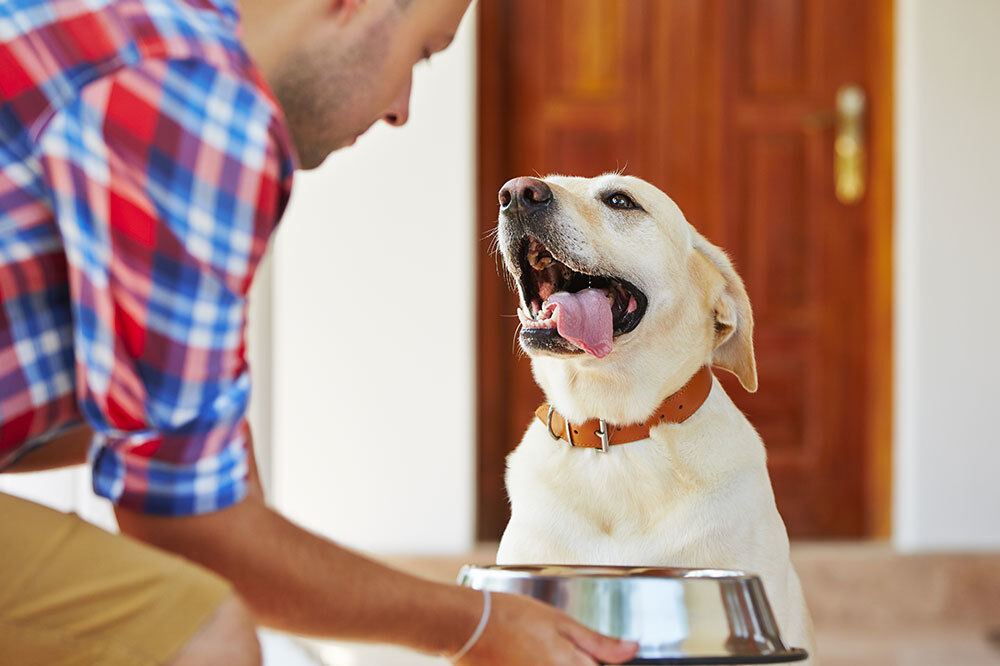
[678,616]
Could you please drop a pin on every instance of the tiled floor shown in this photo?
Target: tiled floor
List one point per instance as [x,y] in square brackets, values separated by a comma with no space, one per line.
[871,607]
[912,646]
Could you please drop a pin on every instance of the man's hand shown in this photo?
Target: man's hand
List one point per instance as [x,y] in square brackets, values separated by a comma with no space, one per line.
[525,631]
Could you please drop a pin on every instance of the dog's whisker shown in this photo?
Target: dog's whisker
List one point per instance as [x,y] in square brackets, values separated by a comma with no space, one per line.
[514,348]
[511,284]
[494,250]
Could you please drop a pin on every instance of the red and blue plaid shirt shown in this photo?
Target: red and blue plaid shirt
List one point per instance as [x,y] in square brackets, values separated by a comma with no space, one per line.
[143,166]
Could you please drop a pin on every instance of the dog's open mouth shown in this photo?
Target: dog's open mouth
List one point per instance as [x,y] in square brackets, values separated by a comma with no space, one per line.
[562,305]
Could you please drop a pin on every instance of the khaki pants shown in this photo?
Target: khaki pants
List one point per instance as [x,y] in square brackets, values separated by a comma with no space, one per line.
[71,593]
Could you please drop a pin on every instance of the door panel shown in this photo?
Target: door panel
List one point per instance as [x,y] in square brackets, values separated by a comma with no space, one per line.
[726,106]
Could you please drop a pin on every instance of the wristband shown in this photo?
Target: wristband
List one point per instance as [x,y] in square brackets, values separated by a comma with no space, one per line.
[479,629]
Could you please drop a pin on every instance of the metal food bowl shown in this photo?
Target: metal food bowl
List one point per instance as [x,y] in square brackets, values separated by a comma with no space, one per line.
[678,616]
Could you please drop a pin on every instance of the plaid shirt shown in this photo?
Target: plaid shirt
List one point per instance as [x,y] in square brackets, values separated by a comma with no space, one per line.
[143,166]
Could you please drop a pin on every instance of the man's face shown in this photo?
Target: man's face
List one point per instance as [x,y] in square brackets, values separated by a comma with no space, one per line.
[345,76]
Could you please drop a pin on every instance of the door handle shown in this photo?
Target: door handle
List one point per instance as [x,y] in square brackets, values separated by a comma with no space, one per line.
[849,159]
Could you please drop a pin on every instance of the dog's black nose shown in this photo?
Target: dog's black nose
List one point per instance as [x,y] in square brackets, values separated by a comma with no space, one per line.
[525,192]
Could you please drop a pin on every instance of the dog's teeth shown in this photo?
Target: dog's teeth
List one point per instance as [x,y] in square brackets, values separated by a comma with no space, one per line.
[542,262]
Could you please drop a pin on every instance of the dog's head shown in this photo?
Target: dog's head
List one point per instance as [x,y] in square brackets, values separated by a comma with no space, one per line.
[614,281]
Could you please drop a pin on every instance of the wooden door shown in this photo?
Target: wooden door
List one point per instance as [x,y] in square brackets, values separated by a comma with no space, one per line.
[726,105]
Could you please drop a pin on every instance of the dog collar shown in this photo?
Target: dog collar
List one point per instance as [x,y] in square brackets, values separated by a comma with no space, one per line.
[599,434]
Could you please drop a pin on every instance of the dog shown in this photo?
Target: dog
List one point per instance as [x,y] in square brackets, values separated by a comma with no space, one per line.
[624,310]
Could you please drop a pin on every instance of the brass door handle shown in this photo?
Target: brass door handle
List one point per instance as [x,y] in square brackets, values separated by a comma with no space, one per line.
[849,159]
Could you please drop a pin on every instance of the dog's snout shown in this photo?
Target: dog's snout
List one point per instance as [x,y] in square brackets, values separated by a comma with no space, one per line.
[525,192]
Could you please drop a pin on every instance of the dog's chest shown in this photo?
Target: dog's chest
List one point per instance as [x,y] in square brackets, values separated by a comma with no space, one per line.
[641,503]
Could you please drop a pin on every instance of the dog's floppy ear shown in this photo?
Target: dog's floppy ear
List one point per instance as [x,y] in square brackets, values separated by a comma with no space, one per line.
[733,319]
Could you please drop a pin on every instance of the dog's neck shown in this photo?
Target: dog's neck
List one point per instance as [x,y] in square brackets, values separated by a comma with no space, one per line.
[597,433]
[617,394]
[641,371]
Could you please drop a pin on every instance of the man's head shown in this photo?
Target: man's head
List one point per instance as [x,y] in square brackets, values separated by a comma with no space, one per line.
[338,66]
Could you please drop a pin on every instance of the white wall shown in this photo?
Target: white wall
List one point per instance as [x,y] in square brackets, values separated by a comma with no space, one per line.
[947,449]
[373,378]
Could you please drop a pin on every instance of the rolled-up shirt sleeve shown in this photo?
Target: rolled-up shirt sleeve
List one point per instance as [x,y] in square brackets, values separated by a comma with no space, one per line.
[166,180]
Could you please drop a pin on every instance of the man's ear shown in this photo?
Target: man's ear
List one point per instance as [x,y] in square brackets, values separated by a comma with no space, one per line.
[733,318]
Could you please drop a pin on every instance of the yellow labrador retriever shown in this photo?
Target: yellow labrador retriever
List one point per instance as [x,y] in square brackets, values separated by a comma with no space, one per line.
[624,309]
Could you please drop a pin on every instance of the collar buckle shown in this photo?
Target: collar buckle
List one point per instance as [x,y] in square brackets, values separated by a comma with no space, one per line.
[548,424]
[603,434]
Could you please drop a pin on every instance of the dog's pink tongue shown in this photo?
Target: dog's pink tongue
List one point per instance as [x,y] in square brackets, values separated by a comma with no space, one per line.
[584,318]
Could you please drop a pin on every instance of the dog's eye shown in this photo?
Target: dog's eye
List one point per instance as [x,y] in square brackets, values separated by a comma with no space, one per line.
[620,200]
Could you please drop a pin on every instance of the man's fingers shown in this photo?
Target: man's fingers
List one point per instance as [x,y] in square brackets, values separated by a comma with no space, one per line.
[526,631]
[603,648]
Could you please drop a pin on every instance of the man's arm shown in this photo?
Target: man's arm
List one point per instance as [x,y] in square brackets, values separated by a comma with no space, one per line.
[299,582]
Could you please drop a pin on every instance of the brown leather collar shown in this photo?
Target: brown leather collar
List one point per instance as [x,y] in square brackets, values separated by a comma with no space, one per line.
[598,434]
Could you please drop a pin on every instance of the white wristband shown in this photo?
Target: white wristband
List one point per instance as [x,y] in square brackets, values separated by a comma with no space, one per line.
[479,629]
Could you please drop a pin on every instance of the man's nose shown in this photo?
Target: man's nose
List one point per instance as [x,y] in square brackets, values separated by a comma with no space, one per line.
[399,112]
[525,192]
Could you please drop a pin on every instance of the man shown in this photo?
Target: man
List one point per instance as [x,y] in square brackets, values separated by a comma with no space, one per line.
[144,162]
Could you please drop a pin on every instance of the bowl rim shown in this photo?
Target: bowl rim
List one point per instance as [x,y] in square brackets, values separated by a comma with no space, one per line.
[598,571]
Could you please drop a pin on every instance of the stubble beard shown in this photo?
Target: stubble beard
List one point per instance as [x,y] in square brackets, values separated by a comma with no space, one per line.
[322,91]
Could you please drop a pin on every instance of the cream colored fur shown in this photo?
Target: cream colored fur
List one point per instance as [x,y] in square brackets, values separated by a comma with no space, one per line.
[695,494]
